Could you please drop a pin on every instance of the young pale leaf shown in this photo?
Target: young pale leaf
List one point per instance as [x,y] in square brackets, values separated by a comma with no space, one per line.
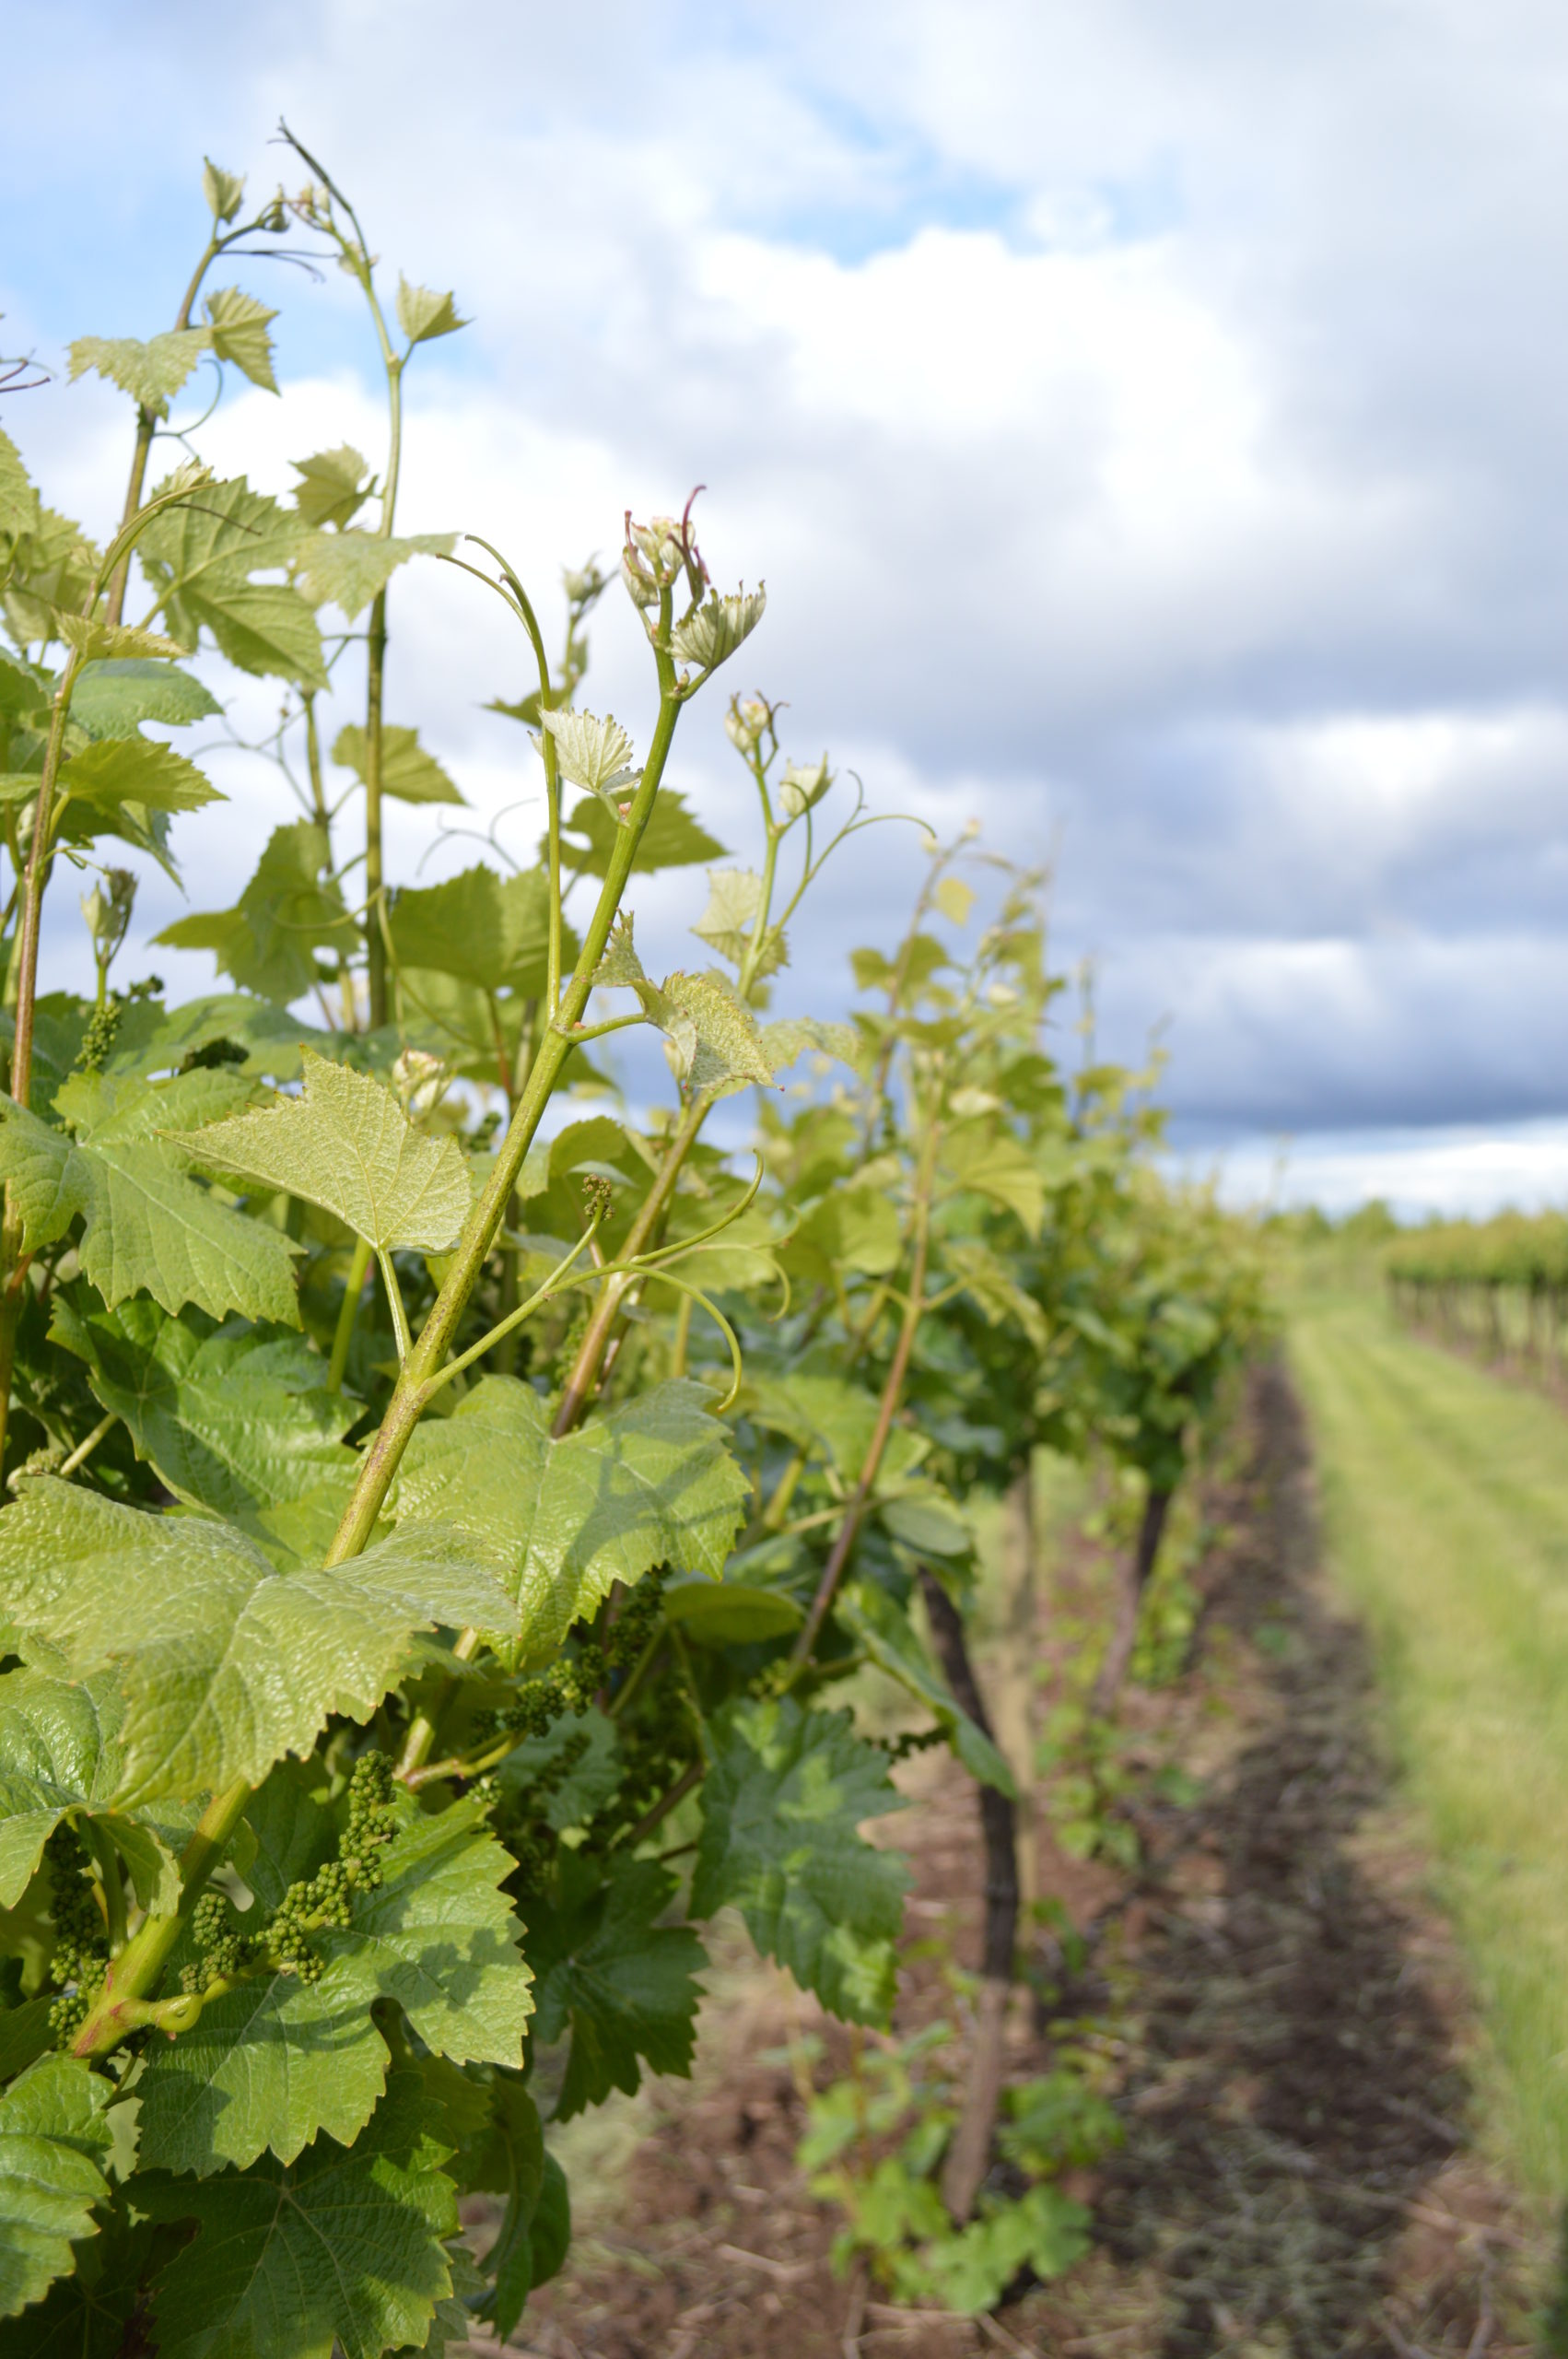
[671,839]
[557,1521]
[239,325]
[92,639]
[112,699]
[489,930]
[151,373]
[710,637]
[291,2261]
[273,2063]
[887,1637]
[620,966]
[332,487]
[714,1045]
[610,1974]
[286,914]
[136,769]
[408,772]
[60,1753]
[54,2145]
[147,1227]
[727,925]
[954,899]
[794,1035]
[224,191]
[345,570]
[782,1806]
[225,1664]
[346,1143]
[423,314]
[234,1419]
[594,754]
[18,501]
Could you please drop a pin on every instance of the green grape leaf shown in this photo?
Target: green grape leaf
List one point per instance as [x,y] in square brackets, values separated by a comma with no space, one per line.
[487,930]
[782,1805]
[60,1753]
[734,902]
[200,557]
[653,1482]
[265,628]
[270,2063]
[887,1637]
[25,2033]
[54,2142]
[347,570]
[225,1664]
[239,325]
[332,487]
[408,772]
[731,1614]
[423,314]
[285,914]
[853,1228]
[18,501]
[342,2246]
[610,1974]
[453,2325]
[271,1038]
[511,2162]
[347,1145]
[575,1788]
[112,699]
[152,373]
[995,1165]
[672,838]
[147,1227]
[924,1518]
[991,1286]
[51,569]
[233,1418]
[87,2314]
[136,769]
[823,1414]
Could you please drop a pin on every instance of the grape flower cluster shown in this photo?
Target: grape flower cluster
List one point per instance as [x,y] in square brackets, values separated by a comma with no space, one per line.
[81,1946]
[313,1903]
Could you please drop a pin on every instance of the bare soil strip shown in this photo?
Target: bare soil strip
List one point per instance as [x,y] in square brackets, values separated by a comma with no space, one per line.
[1285,2009]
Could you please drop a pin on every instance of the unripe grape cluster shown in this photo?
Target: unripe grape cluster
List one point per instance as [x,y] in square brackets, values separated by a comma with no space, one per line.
[81,1947]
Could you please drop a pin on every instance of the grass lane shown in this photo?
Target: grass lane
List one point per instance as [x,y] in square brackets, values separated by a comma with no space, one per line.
[1446,1495]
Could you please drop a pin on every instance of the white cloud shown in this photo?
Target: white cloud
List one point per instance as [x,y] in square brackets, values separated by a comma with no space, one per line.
[1147,419]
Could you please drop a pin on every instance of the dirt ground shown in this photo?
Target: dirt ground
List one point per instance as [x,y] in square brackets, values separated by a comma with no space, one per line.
[1285,2013]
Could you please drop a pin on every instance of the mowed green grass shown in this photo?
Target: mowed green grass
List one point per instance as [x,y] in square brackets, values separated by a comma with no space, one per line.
[1445,1496]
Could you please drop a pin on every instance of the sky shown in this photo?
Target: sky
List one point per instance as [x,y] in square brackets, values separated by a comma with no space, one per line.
[1148,420]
